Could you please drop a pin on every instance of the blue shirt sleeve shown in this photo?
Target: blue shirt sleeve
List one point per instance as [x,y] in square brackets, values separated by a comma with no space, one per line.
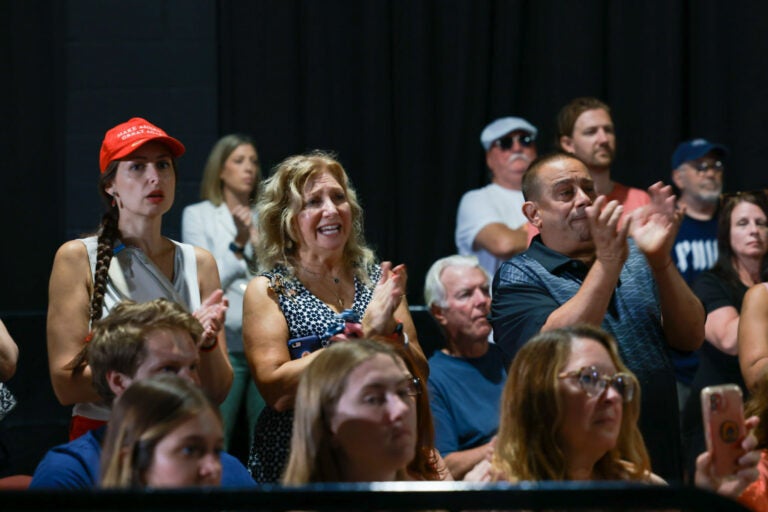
[446,437]
[234,474]
[67,468]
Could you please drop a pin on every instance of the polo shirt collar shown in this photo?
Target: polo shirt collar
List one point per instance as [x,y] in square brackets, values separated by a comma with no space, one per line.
[552,260]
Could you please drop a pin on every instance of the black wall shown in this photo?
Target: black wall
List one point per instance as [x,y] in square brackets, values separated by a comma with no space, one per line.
[72,70]
[402,90]
[399,89]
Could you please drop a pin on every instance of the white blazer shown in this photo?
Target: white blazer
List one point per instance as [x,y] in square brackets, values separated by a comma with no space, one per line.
[212,228]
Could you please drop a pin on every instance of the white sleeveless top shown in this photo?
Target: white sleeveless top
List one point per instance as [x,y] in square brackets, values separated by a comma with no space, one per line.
[132,275]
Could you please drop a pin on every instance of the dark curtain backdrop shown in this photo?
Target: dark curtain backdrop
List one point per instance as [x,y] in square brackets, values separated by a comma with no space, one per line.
[31,149]
[401,90]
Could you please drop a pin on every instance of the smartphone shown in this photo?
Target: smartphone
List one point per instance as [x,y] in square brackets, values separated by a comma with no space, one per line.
[723,411]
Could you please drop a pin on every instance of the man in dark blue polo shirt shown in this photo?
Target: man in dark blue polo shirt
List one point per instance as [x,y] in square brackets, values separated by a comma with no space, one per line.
[583,268]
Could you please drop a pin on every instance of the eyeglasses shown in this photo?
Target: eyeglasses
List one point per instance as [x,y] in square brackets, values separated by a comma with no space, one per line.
[701,167]
[594,384]
[506,143]
[413,386]
[379,396]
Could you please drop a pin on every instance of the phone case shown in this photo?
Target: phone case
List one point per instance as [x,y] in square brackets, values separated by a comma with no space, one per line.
[723,412]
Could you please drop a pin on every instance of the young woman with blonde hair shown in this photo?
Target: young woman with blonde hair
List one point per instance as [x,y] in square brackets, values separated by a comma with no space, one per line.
[361,415]
[224,223]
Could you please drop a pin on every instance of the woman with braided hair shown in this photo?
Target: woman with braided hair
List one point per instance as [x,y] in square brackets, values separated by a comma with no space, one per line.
[130,259]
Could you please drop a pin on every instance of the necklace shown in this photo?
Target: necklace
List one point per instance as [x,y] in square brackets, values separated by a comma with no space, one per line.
[323,280]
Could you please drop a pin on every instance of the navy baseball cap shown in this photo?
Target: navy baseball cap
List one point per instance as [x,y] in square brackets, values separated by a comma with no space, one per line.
[695,148]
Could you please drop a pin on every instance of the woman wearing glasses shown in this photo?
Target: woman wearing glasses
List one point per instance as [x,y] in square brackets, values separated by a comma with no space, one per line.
[574,380]
[360,416]
[742,241]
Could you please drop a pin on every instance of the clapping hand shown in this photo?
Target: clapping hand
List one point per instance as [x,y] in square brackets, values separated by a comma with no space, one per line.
[389,292]
[610,239]
[654,226]
[243,218]
[211,315]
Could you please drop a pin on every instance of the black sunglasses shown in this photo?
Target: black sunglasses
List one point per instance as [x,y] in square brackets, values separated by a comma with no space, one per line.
[507,142]
[703,167]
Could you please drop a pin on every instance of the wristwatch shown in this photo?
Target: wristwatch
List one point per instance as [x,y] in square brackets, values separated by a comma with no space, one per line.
[237,249]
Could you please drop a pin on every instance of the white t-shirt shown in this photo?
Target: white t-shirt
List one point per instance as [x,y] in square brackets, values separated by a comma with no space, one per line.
[483,206]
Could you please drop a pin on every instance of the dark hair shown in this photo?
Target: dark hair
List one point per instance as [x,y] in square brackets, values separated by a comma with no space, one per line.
[724,268]
[107,234]
[569,114]
[530,184]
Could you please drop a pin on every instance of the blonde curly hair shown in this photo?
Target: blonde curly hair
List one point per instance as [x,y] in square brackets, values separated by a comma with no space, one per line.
[280,201]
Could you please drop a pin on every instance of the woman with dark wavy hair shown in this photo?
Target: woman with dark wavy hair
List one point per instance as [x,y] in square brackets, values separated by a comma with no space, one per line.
[129,258]
[742,243]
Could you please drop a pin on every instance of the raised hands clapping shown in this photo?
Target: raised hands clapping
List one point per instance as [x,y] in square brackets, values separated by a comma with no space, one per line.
[654,226]
[389,292]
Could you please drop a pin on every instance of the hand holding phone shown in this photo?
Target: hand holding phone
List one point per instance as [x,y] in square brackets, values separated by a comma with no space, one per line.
[723,413]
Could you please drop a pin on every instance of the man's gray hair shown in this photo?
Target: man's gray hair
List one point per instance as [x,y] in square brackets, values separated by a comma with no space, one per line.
[434,291]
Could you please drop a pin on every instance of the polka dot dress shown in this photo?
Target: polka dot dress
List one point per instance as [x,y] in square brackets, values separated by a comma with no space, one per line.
[306,315]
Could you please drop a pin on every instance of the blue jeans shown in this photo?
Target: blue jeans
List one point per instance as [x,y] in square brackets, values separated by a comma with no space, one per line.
[242,393]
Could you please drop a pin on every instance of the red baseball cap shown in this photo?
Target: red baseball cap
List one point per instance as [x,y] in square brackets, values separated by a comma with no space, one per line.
[125,138]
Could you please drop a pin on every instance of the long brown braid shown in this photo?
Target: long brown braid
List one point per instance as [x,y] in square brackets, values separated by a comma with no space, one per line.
[108,233]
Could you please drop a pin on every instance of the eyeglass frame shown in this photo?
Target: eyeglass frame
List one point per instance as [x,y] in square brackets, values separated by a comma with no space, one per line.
[718,166]
[414,390]
[509,141]
[630,382]
[417,388]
